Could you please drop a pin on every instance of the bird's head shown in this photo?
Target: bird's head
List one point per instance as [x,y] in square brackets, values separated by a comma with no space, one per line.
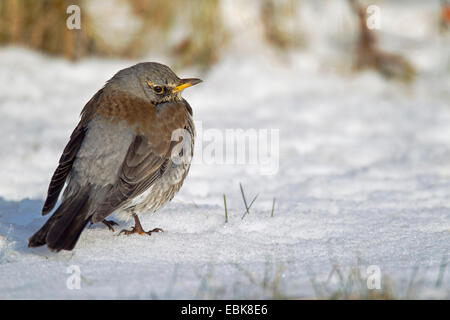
[151,81]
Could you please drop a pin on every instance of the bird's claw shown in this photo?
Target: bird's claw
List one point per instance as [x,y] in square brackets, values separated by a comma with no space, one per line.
[154,230]
[127,232]
[110,224]
[136,230]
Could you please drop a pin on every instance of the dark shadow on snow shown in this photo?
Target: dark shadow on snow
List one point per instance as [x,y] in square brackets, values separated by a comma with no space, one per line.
[19,220]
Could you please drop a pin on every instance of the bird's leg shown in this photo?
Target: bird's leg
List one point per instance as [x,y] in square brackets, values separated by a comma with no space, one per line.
[138,228]
[110,224]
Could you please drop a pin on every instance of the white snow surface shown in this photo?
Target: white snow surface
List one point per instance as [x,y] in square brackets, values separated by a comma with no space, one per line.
[364,173]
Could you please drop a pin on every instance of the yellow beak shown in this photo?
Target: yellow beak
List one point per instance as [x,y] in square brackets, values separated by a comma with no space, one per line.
[186,83]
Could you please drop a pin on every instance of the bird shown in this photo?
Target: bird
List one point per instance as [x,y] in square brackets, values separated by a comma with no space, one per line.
[129,154]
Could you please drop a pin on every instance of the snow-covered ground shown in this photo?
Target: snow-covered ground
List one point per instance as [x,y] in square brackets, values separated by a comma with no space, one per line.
[363,175]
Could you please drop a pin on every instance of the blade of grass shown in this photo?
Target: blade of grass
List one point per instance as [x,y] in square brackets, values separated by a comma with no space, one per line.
[410,289]
[225,205]
[248,208]
[243,197]
[442,268]
[273,207]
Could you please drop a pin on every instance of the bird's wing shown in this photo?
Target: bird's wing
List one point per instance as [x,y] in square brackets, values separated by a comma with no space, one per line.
[146,161]
[66,161]
[65,165]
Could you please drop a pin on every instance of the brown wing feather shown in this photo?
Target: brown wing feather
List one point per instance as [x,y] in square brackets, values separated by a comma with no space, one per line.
[66,161]
[64,167]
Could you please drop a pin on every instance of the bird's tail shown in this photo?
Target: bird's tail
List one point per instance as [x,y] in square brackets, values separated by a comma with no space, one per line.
[64,227]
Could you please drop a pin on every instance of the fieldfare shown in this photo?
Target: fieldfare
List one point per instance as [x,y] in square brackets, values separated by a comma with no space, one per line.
[129,154]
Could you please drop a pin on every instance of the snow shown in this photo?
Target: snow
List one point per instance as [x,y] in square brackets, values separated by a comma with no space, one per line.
[363,175]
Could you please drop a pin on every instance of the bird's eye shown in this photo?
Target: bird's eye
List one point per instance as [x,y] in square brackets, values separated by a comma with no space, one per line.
[158,89]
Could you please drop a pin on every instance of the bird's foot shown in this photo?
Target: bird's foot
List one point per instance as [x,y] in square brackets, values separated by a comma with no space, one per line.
[138,228]
[110,224]
[154,230]
[139,231]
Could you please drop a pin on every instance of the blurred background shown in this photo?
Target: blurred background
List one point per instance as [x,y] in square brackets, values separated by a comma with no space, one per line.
[359,91]
[200,33]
